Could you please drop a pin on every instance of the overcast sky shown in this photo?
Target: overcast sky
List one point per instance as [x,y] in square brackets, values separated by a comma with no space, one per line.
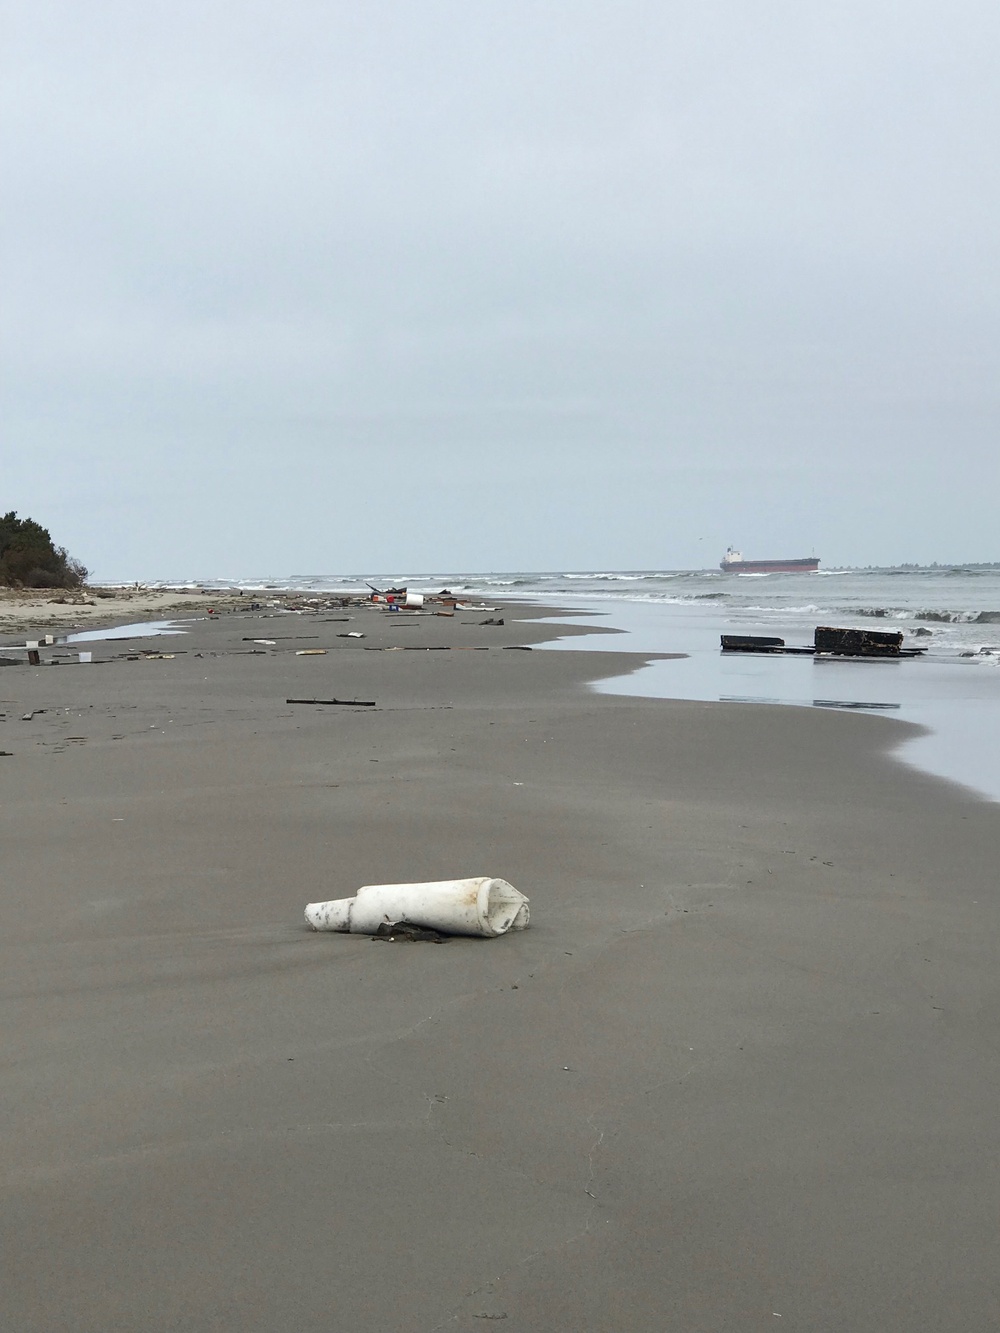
[408,285]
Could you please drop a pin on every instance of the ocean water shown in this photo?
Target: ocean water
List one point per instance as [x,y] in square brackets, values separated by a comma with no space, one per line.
[953,612]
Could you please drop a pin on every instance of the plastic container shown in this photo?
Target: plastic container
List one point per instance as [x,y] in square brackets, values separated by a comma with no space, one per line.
[414,599]
[482,906]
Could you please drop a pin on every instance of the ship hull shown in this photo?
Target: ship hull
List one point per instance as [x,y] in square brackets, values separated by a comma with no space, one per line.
[805,566]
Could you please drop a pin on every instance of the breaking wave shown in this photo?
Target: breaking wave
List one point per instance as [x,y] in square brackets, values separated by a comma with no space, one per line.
[934,617]
[648,577]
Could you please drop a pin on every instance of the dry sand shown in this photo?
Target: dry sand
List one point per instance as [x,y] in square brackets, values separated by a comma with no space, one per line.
[25,610]
[741,1073]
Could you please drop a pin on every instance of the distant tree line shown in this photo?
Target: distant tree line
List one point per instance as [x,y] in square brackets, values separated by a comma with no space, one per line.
[29,559]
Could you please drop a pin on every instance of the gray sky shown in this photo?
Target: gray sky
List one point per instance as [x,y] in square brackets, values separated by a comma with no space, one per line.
[411,286]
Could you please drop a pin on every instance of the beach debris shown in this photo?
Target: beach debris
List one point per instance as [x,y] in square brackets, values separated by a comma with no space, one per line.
[849,703]
[827,642]
[35,713]
[393,598]
[33,657]
[403,931]
[481,907]
[516,648]
[858,642]
[351,634]
[750,643]
[494,621]
[86,657]
[345,703]
[310,652]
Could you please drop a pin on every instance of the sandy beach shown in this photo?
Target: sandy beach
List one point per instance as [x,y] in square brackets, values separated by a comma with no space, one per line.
[740,1073]
[61,611]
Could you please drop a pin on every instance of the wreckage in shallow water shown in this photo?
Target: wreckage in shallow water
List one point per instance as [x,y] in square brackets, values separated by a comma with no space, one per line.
[827,642]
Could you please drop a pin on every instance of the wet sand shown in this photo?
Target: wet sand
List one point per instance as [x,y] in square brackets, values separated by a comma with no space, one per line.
[740,1073]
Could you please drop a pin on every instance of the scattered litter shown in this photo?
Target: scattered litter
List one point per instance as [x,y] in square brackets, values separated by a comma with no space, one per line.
[86,657]
[482,906]
[351,634]
[492,622]
[28,716]
[346,703]
[267,642]
[6,754]
[310,652]
[516,648]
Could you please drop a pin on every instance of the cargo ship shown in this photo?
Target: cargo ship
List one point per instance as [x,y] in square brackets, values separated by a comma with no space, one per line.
[733,563]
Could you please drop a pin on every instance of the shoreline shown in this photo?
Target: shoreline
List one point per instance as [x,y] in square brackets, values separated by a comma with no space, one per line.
[941,755]
[741,1062]
[956,707]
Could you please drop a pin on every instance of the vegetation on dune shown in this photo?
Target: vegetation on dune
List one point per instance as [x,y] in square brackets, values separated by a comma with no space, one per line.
[29,559]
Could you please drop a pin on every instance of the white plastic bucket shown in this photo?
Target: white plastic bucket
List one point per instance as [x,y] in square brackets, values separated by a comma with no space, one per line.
[482,906]
[414,599]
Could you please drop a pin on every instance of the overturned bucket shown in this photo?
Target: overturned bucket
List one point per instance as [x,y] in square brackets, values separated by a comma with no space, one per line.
[481,906]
